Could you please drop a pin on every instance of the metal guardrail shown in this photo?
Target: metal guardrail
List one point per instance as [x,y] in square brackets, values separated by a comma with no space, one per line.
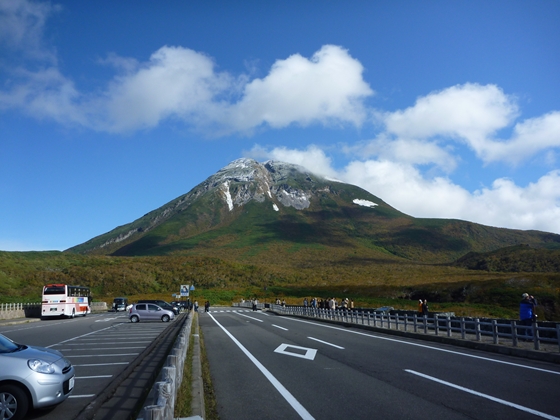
[437,325]
[17,306]
[164,392]
[4,307]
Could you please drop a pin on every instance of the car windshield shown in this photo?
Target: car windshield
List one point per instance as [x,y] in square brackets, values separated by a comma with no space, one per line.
[7,345]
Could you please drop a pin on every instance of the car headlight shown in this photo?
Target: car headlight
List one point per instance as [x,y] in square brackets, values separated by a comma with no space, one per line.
[40,366]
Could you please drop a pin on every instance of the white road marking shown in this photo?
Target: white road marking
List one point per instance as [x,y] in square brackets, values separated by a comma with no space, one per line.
[80,336]
[425,346]
[327,343]
[102,348]
[82,396]
[309,353]
[278,326]
[489,397]
[300,409]
[109,319]
[93,377]
[247,316]
[103,364]
[103,355]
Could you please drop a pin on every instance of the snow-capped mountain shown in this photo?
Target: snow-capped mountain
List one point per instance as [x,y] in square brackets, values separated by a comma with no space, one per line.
[247,204]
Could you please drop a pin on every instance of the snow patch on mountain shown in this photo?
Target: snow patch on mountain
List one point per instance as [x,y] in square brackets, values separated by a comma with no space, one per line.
[365,203]
[229,201]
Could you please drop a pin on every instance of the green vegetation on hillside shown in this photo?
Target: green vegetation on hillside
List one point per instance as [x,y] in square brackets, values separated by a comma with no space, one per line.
[285,271]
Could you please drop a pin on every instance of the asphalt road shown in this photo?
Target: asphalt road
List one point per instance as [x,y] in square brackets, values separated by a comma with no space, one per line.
[100,346]
[273,367]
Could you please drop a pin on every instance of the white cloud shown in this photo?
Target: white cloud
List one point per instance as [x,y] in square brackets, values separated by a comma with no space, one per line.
[182,84]
[529,138]
[21,27]
[176,82]
[469,111]
[411,151]
[44,94]
[326,88]
[313,158]
[472,114]
[401,185]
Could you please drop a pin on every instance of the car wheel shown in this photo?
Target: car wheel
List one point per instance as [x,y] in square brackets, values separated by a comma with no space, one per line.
[134,319]
[13,402]
[165,318]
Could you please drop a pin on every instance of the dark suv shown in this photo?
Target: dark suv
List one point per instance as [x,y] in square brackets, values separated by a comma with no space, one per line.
[163,304]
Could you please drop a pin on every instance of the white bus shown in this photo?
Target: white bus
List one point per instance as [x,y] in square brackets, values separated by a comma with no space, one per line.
[64,300]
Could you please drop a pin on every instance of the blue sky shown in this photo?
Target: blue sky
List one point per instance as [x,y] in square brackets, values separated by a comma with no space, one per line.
[109,110]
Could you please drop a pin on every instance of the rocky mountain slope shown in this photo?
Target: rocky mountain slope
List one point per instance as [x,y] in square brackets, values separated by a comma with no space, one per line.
[249,209]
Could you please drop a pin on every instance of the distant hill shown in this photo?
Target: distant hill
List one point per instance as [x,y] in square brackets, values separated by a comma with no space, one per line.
[519,258]
[263,213]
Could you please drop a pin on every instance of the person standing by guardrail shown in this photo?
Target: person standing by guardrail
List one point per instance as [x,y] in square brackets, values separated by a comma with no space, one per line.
[425,308]
[527,313]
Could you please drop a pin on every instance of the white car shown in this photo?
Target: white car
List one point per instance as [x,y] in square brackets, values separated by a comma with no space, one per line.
[31,377]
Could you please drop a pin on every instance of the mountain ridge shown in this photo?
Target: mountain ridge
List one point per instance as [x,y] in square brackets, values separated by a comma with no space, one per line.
[247,204]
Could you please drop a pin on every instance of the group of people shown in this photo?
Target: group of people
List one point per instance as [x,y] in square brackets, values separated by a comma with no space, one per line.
[206,306]
[527,315]
[333,304]
[423,307]
[328,303]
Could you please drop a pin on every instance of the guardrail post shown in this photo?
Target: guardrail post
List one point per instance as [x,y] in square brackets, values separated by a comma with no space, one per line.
[425,324]
[168,375]
[463,327]
[514,339]
[535,327]
[495,331]
[415,321]
[436,324]
[477,328]
[154,412]
[448,321]
[558,335]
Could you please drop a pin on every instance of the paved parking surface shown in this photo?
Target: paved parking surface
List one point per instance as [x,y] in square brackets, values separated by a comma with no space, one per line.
[101,347]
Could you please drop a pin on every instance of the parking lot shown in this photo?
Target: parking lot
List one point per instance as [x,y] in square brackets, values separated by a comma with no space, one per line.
[102,348]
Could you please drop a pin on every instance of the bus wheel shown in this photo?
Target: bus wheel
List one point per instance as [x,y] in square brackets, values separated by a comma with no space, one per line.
[73,313]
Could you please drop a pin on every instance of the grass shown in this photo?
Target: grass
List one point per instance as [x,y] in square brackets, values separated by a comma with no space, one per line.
[210,401]
[183,403]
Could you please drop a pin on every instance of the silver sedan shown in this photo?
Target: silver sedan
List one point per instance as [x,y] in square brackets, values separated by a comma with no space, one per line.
[31,377]
[149,312]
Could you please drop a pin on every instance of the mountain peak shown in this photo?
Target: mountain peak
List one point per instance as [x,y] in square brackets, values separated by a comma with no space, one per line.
[247,204]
